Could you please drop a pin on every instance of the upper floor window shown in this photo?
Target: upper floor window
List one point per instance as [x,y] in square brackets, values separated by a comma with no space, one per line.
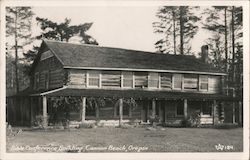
[177,80]
[46,74]
[141,79]
[111,79]
[190,82]
[153,80]
[46,55]
[36,80]
[203,86]
[166,81]
[127,79]
[94,78]
[214,83]
[77,77]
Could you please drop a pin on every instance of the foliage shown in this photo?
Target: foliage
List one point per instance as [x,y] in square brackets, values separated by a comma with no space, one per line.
[195,119]
[18,32]
[87,125]
[39,120]
[186,123]
[174,22]
[64,31]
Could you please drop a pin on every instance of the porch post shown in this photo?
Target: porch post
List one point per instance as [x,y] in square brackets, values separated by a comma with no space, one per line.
[233,112]
[83,108]
[45,122]
[185,108]
[153,108]
[120,111]
[215,113]
[97,112]
[160,111]
[240,113]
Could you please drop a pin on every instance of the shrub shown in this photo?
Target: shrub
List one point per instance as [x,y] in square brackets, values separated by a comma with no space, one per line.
[186,123]
[39,119]
[195,119]
[87,125]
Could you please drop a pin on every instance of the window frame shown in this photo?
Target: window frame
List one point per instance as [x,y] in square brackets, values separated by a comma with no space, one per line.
[179,104]
[135,77]
[192,76]
[160,81]
[173,81]
[97,77]
[200,82]
[118,73]
[36,80]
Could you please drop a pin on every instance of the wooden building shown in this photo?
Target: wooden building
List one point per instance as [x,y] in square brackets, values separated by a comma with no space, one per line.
[170,87]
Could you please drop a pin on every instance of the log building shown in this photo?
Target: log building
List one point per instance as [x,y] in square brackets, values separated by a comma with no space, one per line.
[170,87]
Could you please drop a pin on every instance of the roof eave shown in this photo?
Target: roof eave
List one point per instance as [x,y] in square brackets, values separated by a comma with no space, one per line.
[149,70]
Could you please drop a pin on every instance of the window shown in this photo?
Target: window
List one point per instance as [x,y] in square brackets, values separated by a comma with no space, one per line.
[46,74]
[36,80]
[111,79]
[94,78]
[141,79]
[77,77]
[180,108]
[203,82]
[190,82]
[166,81]
[128,79]
[177,78]
[46,55]
[206,109]
[214,83]
[153,80]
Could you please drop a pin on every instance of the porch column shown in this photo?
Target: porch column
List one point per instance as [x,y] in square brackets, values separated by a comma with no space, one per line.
[97,111]
[120,111]
[160,111]
[185,108]
[215,113]
[233,112]
[153,108]
[83,108]
[45,122]
[31,111]
[240,113]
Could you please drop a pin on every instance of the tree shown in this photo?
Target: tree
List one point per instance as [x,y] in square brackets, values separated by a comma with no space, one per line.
[18,29]
[221,23]
[61,32]
[175,22]
[64,31]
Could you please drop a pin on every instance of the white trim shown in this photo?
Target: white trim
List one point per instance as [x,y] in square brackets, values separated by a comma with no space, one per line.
[48,92]
[145,70]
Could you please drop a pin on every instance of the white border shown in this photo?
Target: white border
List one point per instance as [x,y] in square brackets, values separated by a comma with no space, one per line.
[121,156]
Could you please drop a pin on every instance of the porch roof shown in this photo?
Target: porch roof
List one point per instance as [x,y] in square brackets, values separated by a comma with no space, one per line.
[129,93]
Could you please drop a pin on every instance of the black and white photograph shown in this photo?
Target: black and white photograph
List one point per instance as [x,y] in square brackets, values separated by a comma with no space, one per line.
[125,78]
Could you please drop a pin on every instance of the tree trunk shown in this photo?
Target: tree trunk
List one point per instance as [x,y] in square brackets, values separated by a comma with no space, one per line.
[226,49]
[233,46]
[16,54]
[181,29]
[174,34]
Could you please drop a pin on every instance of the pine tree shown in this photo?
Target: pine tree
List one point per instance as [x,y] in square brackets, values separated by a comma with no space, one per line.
[18,29]
[175,22]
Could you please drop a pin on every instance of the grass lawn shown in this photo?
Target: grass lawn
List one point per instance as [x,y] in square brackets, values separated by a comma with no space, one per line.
[110,139]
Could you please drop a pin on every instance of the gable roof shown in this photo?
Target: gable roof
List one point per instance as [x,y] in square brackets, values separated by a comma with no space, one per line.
[96,57]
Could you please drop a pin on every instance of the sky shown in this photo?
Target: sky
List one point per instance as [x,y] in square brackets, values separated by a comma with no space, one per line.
[127,27]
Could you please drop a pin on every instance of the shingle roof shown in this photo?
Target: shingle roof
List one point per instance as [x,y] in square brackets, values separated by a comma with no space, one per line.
[81,55]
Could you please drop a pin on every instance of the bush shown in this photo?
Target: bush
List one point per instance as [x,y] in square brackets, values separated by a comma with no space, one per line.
[39,121]
[186,123]
[87,125]
[195,119]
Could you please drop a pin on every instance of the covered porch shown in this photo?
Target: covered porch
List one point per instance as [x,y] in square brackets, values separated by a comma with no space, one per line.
[169,108]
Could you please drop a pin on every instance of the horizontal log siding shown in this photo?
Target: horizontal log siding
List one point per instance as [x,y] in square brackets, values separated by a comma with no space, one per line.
[52,66]
[143,80]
